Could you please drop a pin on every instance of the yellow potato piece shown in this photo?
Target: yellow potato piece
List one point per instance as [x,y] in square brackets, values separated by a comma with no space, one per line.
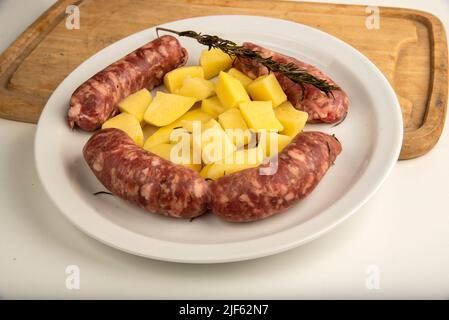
[213,61]
[174,79]
[165,150]
[212,106]
[272,143]
[230,91]
[259,115]
[267,88]
[240,76]
[214,143]
[235,126]
[162,135]
[136,103]
[128,123]
[292,119]
[197,88]
[238,161]
[166,108]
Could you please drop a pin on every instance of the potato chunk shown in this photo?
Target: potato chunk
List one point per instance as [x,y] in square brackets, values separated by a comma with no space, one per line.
[235,126]
[272,143]
[213,143]
[167,151]
[162,135]
[240,76]
[267,88]
[212,106]
[128,123]
[174,79]
[292,119]
[136,103]
[197,88]
[239,160]
[213,61]
[230,91]
[166,108]
[259,115]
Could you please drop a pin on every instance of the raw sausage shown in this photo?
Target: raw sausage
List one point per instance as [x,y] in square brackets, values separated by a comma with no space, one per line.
[144,178]
[248,196]
[96,100]
[321,108]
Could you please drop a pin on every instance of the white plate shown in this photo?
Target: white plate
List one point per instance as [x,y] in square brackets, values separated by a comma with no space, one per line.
[371,137]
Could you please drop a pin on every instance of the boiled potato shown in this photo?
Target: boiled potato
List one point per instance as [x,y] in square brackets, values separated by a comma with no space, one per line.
[174,79]
[240,160]
[230,91]
[197,88]
[240,76]
[136,103]
[272,143]
[166,108]
[259,115]
[162,135]
[235,126]
[292,119]
[267,88]
[213,61]
[167,151]
[212,106]
[128,123]
[213,143]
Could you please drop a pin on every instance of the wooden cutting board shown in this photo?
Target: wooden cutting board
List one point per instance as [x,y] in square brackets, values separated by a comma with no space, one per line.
[409,47]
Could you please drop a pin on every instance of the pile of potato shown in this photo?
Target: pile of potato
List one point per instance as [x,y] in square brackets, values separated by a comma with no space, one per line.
[226,124]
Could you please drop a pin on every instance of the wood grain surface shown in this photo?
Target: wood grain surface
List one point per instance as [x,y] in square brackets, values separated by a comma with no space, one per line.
[410,48]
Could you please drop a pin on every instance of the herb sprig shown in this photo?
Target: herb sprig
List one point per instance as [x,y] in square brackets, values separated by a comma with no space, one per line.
[290,70]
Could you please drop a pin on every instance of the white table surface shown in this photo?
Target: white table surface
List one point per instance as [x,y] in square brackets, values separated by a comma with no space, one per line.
[403,230]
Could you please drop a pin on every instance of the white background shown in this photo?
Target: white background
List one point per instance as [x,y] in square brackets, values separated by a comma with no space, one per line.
[403,230]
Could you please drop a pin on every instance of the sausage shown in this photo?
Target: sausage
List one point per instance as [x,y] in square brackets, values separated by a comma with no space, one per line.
[320,108]
[249,196]
[143,178]
[96,100]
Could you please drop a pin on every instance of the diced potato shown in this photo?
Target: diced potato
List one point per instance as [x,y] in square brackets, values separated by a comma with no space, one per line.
[240,160]
[213,61]
[136,103]
[214,143]
[272,143]
[240,76]
[292,119]
[174,79]
[166,151]
[267,88]
[162,135]
[259,115]
[204,170]
[212,106]
[166,108]
[128,123]
[230,91]
[197,88]
[235,126]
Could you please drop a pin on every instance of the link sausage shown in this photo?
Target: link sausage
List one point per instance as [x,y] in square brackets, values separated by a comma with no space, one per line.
[321,108]
[249,196]
[96,100]
[143,178]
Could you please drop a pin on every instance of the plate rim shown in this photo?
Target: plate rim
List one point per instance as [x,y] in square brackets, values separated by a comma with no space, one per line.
[196,254]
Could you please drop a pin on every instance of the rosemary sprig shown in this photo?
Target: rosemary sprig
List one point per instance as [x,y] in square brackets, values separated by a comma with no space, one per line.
[290,70]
